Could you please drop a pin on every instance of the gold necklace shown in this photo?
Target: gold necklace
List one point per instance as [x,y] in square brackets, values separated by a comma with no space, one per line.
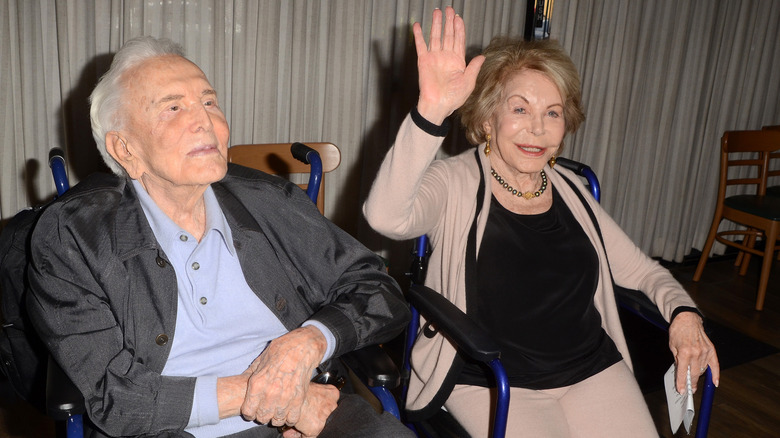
[519,194]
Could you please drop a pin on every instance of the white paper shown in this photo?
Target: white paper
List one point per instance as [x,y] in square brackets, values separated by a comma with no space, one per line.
[680,405]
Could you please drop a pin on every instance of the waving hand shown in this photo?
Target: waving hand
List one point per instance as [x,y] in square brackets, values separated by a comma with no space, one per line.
[445,79]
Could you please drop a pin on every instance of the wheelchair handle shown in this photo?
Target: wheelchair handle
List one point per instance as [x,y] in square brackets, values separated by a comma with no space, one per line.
[309,156]
[586,172]
[57,165]
[301,152]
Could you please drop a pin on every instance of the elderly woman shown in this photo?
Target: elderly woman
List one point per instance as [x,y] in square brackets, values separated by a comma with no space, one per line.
[188,297]
[519,248]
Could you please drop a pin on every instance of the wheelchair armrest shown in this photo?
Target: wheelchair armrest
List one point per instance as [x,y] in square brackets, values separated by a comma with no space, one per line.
[62,398]
[373,367]
[640,305]
[453,323]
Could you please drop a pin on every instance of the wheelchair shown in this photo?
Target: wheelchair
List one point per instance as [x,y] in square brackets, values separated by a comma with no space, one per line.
[65,404]
[474,343]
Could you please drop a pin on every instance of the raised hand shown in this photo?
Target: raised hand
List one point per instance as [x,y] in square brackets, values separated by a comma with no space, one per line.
[445,79]
[279,380]
[691,347]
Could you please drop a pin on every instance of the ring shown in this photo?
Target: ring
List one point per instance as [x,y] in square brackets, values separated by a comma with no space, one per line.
[701,370]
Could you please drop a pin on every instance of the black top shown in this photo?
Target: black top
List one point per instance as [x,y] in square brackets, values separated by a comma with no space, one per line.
[537,277]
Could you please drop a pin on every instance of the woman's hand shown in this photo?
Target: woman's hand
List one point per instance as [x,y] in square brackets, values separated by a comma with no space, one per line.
[445,80]
[691,347]
[279,377]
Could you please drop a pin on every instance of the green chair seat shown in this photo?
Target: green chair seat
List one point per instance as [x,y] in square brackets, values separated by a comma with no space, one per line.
[767,207]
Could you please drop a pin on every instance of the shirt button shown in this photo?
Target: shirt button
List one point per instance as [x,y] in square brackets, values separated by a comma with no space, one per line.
[195,266]
[161,339]
[281,303]
[183,237]
[203,300]
[160,261]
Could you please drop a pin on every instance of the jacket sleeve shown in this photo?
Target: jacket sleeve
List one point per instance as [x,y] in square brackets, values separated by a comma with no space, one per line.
[73,312]
[341,283]
[408,195]
[362,305]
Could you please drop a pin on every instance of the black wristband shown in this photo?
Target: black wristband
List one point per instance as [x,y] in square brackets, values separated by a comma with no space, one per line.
[429,127]
[682,309]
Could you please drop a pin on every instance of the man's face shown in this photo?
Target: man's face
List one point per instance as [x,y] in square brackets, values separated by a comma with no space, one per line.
[175,128]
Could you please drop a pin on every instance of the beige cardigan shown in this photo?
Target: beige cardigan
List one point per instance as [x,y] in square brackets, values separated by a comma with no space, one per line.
[415,194]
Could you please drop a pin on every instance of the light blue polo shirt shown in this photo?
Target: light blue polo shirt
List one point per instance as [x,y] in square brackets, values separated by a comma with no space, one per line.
[221,325]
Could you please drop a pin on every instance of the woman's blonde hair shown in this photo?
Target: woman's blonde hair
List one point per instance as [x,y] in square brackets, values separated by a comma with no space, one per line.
[505,57]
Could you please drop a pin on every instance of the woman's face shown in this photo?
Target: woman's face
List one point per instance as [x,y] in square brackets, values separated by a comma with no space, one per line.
[528,126]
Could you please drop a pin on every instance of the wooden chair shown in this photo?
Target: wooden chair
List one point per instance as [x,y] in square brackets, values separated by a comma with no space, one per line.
[771,190]
[758,212]
[276,159]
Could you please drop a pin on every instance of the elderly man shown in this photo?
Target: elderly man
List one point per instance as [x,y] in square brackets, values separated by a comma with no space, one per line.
[188,297]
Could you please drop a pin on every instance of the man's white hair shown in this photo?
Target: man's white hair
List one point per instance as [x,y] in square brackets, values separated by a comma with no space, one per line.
[106,99]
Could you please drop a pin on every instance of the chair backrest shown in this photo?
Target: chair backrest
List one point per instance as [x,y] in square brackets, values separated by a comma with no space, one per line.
[276,159]
[755,149]
[774,157]
[774,165]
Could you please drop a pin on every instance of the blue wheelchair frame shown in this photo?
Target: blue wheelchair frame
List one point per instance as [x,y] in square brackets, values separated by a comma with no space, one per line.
[64,402]
[476,344]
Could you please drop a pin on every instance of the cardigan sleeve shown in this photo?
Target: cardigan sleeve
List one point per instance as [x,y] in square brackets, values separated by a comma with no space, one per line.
[409,193]
[633,269]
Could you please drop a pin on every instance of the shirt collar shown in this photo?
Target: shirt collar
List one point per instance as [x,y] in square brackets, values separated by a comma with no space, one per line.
[165,229]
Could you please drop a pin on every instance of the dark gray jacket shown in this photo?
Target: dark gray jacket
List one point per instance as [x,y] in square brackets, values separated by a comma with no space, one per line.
[104,295]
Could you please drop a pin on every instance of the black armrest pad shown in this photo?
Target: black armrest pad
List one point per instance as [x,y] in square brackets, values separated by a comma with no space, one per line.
[639,304]
[453,323]
[373,366]
[62,397]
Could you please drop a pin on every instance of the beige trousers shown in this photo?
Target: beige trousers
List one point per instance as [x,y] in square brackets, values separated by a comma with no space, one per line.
[608,404]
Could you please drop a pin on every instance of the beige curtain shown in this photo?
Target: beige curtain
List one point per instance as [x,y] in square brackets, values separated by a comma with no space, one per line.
[287,70]
[662,81]
[342,71]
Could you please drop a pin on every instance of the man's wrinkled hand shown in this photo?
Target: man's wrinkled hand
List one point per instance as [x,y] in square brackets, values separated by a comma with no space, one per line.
[320,402]
[279,377]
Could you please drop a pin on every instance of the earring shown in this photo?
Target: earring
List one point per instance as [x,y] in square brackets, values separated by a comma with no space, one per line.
[552,161]
[487,144]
